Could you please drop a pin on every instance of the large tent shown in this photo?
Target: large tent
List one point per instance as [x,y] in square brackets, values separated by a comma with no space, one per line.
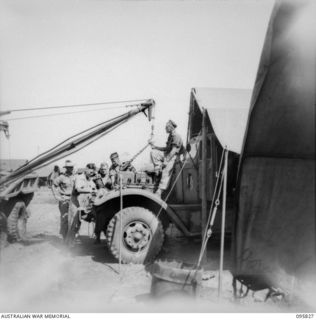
[226,113]
[275,229]
[227,110]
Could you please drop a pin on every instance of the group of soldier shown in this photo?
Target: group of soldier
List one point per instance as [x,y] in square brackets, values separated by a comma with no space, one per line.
[76,192]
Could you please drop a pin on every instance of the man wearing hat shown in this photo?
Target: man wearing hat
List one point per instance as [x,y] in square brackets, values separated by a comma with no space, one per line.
[62,188]
[103,185]
[103,177]
[117,166]
[81,201]
[163,158]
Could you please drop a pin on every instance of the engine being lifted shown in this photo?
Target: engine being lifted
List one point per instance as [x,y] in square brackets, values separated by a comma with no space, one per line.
[141,180]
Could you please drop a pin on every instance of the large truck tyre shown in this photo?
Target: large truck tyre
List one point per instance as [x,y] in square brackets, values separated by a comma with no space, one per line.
[16,222]
[3,230]
[137,233]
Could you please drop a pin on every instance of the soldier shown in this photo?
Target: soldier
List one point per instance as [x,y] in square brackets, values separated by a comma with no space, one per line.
[53,175]
[103,184]
[83,192]
[117,166]
[163,158]
[62,188]
[103,177]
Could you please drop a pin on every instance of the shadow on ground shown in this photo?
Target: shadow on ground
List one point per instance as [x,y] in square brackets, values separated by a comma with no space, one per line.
[85,246]
[188,251]
[174,248]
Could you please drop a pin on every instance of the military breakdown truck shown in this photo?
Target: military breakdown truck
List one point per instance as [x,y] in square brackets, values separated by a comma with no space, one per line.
[134,218]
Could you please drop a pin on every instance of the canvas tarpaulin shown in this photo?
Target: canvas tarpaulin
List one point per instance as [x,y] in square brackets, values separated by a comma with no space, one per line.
[274,243]
[227,109]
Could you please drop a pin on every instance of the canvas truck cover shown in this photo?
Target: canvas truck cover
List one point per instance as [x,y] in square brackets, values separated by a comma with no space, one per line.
[275,228]
[227,110]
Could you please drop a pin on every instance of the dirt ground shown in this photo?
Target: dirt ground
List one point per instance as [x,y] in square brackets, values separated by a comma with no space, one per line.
[41,275]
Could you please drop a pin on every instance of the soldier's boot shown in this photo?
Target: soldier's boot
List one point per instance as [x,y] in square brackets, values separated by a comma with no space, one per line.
[157,178]
[97,238]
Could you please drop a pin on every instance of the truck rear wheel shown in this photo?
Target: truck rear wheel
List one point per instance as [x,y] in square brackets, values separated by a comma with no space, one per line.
[16,222]
[141,238]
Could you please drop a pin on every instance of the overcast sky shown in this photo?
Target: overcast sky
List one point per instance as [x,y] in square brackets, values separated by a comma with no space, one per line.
[56,52]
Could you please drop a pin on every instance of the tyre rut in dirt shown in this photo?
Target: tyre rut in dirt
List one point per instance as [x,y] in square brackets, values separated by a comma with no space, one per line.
[142,235]
[16,222]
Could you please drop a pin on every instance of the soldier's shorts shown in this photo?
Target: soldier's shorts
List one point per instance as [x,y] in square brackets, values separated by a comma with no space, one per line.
[159,161]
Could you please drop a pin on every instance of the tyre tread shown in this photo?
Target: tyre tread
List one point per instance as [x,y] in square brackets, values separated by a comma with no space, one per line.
[131,257]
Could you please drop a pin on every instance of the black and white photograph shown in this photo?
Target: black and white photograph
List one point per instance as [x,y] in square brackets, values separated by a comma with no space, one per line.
[157,156]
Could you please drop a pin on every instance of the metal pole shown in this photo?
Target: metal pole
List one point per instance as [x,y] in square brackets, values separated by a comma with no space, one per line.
[221,260]
[121,222]
[204,181]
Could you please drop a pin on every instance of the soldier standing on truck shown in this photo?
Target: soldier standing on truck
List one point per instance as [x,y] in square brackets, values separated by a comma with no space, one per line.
[163,158]
[116,167]
[62,188]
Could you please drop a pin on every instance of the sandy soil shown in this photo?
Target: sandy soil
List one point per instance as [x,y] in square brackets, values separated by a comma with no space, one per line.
[41,275]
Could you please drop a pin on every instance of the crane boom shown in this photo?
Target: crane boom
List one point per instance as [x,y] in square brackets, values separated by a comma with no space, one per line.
[76,143]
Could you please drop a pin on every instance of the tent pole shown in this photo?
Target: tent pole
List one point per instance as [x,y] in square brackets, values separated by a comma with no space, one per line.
[204,180]
[221,261]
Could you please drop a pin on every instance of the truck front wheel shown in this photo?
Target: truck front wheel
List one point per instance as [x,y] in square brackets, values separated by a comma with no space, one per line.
[135,234]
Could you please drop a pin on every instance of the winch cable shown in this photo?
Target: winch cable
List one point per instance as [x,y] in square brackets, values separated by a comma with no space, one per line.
[72,105]
[153,120]
[152,133]
[124,165]
[64,113]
